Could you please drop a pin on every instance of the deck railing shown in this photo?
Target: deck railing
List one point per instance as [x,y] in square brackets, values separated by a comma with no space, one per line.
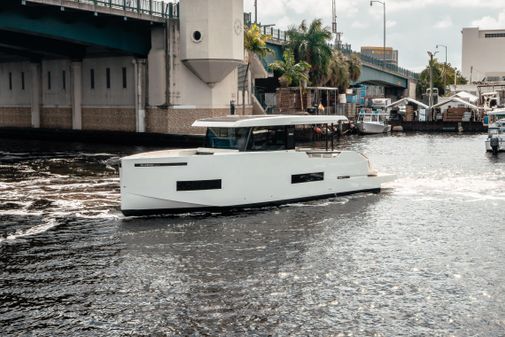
[146,7]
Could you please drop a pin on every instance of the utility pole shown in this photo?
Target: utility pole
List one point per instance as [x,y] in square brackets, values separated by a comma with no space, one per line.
[430,97]
[383,3]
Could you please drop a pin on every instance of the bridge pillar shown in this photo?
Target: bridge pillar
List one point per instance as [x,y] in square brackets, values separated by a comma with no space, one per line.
[76,76]
[140,94]
[36,71]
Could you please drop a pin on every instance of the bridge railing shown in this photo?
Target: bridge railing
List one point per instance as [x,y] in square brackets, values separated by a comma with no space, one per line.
[146,7]
[280,36]
[374,61]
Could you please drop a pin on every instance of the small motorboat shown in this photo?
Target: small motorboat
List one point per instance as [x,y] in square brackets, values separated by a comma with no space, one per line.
[247,161]
[495,141]
[372,122]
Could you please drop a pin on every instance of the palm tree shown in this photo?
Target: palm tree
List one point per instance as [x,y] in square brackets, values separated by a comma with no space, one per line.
[292,72]
[354,65]
[255,43]
[339,71]
[311,44]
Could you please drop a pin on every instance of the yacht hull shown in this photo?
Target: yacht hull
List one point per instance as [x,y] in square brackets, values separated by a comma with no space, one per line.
[373,128]
[172,182]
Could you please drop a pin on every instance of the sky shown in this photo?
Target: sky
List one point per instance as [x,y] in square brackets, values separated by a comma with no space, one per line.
[413,26]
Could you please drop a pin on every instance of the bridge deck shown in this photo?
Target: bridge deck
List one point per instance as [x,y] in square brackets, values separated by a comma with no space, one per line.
[147,10]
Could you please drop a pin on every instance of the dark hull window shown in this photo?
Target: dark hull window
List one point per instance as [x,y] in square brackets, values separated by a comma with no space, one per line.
[199,185]
[160,164]
[307,177]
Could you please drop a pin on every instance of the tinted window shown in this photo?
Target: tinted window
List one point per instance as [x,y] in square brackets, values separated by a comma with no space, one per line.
[199,185]
[307,177]
[268,139]
[227,138]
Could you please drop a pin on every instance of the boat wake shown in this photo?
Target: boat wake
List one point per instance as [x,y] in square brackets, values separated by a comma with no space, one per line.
[32,231]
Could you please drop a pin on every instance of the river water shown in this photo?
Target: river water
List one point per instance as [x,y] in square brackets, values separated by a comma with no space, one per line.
[423,258]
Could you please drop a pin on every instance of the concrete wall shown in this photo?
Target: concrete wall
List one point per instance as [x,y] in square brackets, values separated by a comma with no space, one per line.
[483,53]
[15,95]
[58,92]
[100,95]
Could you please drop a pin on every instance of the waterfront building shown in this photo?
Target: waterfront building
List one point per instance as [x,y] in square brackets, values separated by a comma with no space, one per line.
[378,53]
[482,54]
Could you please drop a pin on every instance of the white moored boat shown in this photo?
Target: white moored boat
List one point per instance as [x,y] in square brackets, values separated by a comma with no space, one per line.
[373,123]
[248,161]
[495,141]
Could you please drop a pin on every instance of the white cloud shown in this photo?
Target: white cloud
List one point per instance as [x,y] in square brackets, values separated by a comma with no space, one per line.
[444,23]
[488,22]
[390,23]
[359,25]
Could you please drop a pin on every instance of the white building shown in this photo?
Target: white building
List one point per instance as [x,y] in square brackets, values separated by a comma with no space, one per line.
[483,54]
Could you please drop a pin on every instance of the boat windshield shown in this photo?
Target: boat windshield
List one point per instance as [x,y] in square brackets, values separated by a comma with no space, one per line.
[271,138]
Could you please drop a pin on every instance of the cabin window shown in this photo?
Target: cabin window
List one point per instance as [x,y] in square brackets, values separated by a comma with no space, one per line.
[227,138]
[48,80]
[10,81]
[307,177]
[199,185]
[22,81]
[268,139]
[64,80]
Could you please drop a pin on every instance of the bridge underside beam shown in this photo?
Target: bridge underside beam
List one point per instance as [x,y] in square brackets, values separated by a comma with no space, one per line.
[371,75]
[75,28]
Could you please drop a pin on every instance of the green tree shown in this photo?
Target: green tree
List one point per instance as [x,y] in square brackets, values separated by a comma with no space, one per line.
[339,73]
[255,44]
[311,44]
[438,77]
[354,66]
[292,72]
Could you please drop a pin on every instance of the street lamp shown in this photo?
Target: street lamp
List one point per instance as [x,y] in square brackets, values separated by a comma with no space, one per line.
[383,3]
[445,65]
[431,55]
[256,11]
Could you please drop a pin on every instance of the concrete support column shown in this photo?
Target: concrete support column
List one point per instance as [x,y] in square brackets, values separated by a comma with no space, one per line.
[139,66]
[36,71]
[76,78]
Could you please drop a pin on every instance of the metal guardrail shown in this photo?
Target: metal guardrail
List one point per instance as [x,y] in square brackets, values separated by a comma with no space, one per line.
[146,7]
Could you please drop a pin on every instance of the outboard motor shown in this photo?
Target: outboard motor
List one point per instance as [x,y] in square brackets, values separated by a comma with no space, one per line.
[495,144]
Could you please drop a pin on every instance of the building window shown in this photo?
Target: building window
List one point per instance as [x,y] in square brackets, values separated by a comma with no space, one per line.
[107,76]
[124,78]
[22,81]
[10,81]
[92,78]
[494,35]
[64,80]
[48,80]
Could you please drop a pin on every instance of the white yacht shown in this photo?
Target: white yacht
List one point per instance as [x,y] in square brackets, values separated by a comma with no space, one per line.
[248,161]
[495,141]
[373,122]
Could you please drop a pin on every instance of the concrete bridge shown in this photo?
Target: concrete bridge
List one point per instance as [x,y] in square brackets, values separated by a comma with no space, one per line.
[119,65]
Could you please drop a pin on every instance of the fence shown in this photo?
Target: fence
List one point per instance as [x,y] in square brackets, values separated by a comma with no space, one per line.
[146,7]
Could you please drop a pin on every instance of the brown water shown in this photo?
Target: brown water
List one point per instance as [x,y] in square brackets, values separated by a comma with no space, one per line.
[423,258]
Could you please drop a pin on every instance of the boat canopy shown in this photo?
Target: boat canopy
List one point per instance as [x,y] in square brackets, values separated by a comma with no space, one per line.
[496,112]
[456,100]
[267,120]
[405,101]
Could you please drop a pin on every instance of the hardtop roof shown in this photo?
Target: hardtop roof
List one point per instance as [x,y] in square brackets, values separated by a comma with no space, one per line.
[267,120]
